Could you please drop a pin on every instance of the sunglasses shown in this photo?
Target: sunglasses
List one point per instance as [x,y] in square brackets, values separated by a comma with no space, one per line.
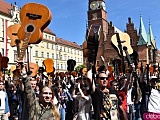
[47,93]
[103,78]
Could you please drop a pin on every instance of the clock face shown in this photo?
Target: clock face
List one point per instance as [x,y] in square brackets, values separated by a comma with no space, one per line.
[102,5]
[94,5]
[97,5]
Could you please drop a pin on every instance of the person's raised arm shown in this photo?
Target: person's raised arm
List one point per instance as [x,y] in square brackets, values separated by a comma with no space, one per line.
[91,81]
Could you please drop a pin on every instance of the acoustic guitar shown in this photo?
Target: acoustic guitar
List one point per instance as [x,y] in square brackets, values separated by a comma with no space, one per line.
[12,34]
[48,63]
[124,39]
[33,68]
[35,18]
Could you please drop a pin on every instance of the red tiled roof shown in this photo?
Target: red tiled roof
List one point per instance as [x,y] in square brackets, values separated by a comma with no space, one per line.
[5,7]
[68,43]
[47,30]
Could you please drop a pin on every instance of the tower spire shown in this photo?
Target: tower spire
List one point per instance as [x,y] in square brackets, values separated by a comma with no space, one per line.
[142,33]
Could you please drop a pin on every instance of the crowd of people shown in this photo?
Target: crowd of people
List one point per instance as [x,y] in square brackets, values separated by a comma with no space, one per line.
[89,96]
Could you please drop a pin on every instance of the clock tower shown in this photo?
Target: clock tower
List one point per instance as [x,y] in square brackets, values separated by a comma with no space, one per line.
[97,15]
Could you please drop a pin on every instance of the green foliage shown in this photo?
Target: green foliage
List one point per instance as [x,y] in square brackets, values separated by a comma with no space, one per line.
[79,67]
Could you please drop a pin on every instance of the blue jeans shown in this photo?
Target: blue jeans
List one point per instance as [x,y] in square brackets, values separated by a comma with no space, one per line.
[138,113]
[62,113]
[131,114]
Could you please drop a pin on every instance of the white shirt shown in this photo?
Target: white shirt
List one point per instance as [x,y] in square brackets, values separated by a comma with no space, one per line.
[2,100]
[154,101]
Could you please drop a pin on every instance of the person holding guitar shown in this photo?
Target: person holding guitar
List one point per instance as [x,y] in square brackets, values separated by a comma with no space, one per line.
[44,108]
[105,102]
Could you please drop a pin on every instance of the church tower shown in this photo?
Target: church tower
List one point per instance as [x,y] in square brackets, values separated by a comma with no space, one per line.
[97,15]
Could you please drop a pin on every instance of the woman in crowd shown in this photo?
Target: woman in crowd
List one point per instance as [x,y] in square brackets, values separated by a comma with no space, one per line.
[44,109]
[84,100]
[4,107]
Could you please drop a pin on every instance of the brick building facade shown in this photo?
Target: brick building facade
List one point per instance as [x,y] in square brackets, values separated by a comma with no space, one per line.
[142,43]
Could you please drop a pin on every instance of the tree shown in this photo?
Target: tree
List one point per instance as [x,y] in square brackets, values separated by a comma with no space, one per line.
[79,67]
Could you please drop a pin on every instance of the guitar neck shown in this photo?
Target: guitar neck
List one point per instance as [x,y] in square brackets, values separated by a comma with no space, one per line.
[128,57]
[17,41]
[24,46]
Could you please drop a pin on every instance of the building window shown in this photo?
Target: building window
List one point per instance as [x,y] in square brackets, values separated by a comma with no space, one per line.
[42,54]
[64,49]
[65,57]
[56,56]
[75,52]
[15,55]
[60,57]
[49,37]
[58,66]
[57,47]
[53,55]
[47,55]
[46,36]
[68,50]
[61,66]
[47,45]
[52,47]
[36,53]
[60,48]
[78,59]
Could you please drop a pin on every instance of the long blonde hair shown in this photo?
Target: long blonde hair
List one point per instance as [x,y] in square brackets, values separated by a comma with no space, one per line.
[55,110]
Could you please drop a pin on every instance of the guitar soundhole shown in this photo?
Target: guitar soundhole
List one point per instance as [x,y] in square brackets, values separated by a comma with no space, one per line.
[30,28]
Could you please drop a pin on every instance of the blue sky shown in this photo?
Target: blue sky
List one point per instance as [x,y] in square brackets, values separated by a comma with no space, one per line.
[70,16]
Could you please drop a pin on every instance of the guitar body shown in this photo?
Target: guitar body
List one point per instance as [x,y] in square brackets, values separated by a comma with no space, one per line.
[35,18]
[12,34]
[48,63]
[33,68]
[125,42]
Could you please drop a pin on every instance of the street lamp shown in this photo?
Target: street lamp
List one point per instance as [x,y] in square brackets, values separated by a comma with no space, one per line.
[30,52]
